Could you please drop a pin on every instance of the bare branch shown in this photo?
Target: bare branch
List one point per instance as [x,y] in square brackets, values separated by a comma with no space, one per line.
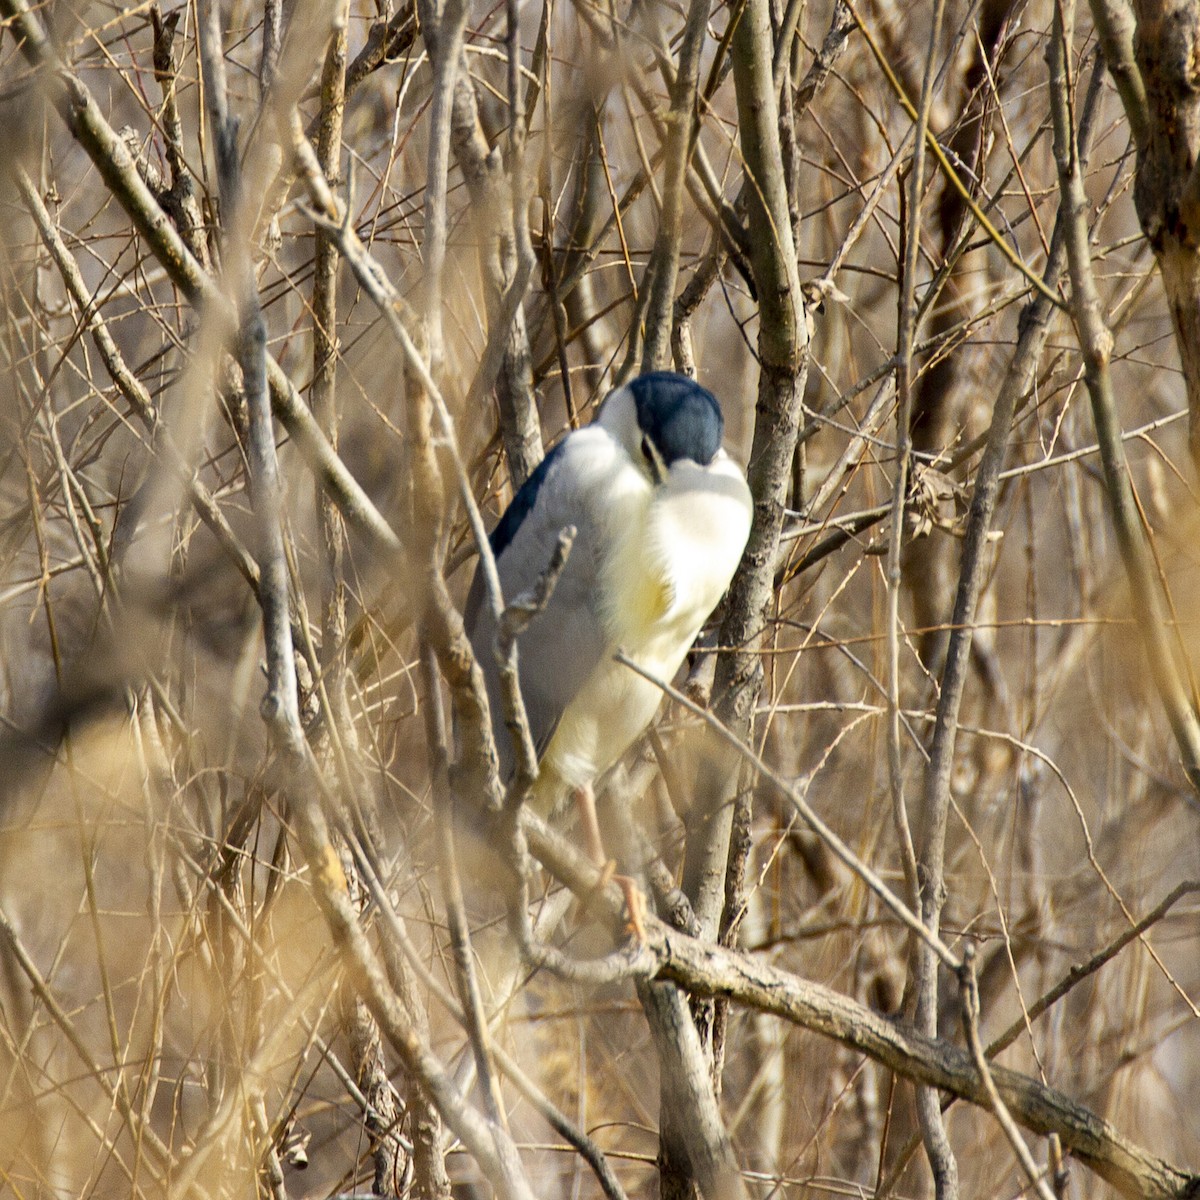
[1115,25]
[663,268]
[970,989]
[111,157]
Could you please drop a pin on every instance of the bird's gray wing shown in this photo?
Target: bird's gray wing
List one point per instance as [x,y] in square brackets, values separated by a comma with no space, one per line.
[562,644]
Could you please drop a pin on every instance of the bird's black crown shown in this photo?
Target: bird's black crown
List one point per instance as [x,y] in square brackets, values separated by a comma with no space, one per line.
[680,417]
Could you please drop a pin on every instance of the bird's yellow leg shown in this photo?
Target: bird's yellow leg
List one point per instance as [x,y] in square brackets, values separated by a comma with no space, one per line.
[635,902]
[585,801]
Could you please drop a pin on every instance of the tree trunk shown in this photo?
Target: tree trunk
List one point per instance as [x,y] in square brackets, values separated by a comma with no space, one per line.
[1167,191]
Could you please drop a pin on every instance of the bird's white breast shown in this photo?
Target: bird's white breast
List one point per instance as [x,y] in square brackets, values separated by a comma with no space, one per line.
[672,552]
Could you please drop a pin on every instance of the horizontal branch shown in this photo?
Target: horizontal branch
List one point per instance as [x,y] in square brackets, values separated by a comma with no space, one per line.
[716,971]
[745,979]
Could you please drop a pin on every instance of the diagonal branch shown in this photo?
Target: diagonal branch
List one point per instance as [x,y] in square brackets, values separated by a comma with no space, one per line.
[111,157]
[1115,27]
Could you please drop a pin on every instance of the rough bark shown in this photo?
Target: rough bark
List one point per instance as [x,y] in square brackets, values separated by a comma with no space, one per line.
[1167,190]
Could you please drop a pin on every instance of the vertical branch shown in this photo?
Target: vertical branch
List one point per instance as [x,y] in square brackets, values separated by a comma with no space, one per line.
[490,1145]
[370,1066]
[663,268]
[940,401]
[466,977]
[593,191]
[1167,188]
[905,332]
[1095,343]
[518,259]
[251,356]
[507,262]
[1018,380]
[695,1143]
[1115,28]
[272,36]
[382,1112]
[969,988]
[782,352]
[491,1148]
[180,198]
[442,632]
[326,349]
[280,705]
[686,304]
[442,26]
[929,879]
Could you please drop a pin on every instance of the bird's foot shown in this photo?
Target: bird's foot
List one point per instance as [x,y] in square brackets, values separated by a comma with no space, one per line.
[635,900]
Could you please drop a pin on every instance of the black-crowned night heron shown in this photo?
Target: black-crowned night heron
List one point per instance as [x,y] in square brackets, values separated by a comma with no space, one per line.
[662,515]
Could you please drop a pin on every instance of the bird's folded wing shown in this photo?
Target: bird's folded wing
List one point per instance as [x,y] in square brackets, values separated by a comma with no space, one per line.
[564,643]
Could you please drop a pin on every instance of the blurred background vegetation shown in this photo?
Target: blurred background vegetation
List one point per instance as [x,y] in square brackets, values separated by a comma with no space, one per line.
[174,1015]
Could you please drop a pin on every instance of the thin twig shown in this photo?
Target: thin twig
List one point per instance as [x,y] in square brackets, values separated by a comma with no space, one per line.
[750,980]
[1081,971]
[591,1153]
[130,386]
[924,880]
[947,167]
[109,153]
[806,813]
[969,986]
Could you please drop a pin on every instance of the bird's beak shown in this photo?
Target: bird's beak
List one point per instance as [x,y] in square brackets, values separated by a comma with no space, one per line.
[655,467]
